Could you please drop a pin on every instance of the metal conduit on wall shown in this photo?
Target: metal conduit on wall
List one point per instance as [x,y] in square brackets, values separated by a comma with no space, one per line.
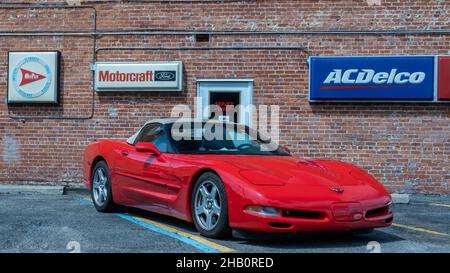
[226,32]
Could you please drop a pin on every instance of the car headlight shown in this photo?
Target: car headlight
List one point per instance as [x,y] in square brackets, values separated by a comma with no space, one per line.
[262,210]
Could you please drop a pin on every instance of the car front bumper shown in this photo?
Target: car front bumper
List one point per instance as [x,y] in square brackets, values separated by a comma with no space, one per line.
[372,213]
[289,224]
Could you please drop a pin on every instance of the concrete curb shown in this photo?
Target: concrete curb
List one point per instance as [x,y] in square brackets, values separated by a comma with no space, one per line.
[55,190]
[398,198]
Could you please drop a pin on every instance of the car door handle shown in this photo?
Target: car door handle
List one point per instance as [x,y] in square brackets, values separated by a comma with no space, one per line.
[124,153]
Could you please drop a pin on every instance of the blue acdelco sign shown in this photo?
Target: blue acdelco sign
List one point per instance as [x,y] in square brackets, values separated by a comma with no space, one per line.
[408,78]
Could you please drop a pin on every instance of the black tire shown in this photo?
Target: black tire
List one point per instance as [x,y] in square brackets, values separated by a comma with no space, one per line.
[222,228]
[108,205]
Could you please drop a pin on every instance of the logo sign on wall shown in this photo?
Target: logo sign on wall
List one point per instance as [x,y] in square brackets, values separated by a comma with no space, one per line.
[384,78]
[123,77]
[33,77]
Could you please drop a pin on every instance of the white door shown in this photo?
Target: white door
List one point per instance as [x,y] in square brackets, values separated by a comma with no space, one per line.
[223,93]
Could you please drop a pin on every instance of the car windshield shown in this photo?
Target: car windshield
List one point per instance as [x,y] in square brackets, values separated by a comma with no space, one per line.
[221,138]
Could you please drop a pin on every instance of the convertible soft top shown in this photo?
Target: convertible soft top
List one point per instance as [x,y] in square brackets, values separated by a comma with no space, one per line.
[132,138]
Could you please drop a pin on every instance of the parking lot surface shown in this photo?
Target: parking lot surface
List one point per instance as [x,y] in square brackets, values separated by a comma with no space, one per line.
[70,223]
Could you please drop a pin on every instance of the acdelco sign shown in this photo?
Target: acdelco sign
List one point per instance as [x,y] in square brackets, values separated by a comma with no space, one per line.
[409,78]
[366,76]
[138,76]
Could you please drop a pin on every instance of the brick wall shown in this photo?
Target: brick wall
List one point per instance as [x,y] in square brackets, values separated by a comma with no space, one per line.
[406,146]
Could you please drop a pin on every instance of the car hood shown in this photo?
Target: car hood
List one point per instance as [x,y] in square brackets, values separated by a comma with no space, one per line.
[288,170]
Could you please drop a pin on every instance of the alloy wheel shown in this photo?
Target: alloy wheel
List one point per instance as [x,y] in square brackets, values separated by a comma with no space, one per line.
[207,205]
[99,188]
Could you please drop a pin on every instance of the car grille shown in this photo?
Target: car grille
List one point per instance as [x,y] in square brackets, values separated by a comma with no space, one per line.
[302,214]
[377,212]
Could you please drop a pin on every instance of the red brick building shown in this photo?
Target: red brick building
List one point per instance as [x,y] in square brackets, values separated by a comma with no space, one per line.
[404,145]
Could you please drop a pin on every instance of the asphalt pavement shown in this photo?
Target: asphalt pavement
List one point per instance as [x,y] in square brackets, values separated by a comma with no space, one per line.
[70,223]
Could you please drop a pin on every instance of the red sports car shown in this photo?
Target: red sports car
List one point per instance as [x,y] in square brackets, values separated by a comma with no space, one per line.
[238,181]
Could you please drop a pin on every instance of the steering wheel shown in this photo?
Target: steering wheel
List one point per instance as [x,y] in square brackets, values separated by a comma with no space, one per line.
[244,146]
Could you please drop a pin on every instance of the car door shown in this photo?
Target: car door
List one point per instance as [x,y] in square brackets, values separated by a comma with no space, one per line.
[145,174]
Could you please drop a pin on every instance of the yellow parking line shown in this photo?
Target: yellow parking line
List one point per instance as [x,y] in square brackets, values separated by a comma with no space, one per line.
[176,231]
[185,234]
[85,197]
[440,205]
[420,229]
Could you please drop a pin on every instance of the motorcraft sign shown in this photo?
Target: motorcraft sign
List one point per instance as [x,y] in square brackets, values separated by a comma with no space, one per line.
[33,77]
[125,77]
[371,78]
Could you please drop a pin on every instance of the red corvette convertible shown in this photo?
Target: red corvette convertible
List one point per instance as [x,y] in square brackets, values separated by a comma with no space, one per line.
[236,181]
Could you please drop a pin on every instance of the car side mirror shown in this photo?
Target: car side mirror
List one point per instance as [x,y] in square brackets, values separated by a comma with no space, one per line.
[147,147]
[286,149]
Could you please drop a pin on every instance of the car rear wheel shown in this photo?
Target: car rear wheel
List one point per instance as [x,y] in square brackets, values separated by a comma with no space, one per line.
[209,206]
[101,188]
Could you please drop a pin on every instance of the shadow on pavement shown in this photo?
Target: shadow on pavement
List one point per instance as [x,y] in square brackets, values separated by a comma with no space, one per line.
[316,240]
[280,241]
[160,218]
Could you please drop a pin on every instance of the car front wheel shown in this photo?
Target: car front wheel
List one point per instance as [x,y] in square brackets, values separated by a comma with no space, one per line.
[209,206]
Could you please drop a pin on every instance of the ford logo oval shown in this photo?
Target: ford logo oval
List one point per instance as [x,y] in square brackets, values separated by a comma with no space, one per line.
[165,75]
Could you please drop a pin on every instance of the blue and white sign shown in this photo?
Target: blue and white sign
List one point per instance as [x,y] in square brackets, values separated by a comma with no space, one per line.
[33,77]
[385,78]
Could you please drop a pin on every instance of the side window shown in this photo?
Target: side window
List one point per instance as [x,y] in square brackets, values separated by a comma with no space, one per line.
[155,134]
